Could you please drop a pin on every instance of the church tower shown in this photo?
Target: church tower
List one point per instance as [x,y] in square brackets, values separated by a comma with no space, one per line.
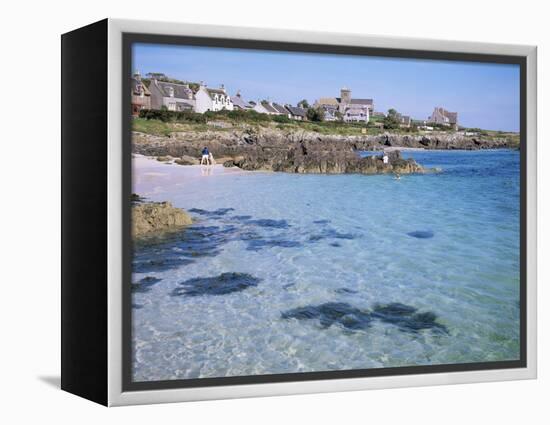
[345,95]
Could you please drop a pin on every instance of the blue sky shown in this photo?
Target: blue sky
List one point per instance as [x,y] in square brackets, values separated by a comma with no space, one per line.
[484,95]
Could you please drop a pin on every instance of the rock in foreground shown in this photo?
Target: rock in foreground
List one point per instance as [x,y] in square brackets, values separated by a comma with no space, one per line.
[154,217]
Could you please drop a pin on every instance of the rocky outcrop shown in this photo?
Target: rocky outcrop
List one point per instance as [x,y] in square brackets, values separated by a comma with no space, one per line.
[187,160]
[240,141]
[302,151]
[150,218]
[301,159]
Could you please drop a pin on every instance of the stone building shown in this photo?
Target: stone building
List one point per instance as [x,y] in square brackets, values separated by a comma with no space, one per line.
[349,108]
[172,96]
[141,96]
[443,117]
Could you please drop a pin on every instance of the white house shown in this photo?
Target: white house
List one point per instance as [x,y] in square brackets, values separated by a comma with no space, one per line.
[357,114]
[207,99]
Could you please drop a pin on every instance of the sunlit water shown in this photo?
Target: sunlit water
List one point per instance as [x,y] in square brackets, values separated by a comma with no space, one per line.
[445,243]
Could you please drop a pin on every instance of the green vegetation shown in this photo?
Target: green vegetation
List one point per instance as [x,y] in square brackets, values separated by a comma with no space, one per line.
[391,121]
[165,115]
[156,127]
[164,122]
[315,114]
[283,119]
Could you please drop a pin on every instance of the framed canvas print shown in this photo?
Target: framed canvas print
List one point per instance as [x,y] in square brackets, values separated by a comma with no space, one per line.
[249,212]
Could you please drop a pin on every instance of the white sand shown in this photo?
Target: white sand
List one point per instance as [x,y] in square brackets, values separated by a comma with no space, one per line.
[150,176]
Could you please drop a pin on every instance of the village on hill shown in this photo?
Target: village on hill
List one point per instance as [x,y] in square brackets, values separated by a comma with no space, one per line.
[159,92]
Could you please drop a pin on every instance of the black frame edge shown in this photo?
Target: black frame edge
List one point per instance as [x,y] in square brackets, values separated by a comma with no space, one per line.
[84,212]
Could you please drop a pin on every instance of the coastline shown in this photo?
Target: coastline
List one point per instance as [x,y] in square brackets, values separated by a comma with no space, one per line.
[279,150]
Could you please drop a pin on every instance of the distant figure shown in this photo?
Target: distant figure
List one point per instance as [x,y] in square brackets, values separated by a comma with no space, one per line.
[397,176]
[205,156]
[385,158]
[211,159]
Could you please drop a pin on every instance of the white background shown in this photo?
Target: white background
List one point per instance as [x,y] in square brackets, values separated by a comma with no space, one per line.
[30,212]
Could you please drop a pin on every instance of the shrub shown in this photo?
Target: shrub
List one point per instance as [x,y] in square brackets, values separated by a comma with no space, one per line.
[315,114]
[165,115]
[391,121]
[283,119]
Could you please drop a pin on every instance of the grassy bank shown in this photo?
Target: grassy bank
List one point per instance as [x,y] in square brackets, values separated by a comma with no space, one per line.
[163,123]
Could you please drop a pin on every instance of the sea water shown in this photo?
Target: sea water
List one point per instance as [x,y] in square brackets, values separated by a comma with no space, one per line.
[285,273]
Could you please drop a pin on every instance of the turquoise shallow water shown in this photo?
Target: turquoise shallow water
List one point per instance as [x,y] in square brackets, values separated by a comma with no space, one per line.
[445,244]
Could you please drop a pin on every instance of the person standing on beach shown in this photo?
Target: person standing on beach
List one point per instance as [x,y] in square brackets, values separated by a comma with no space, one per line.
[205,156]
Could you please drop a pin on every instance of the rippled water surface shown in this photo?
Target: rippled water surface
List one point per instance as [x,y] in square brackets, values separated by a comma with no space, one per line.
[293,273]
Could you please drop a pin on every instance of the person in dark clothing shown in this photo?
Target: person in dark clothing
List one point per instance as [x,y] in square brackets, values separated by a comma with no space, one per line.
[205,156]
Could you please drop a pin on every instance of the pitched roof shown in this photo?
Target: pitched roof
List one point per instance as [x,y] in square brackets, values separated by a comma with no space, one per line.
[213,92]
[361,101]
[181,91]
[269,108]
[328,101]
[279,108]
[135,87]
[240,103]
[296,111]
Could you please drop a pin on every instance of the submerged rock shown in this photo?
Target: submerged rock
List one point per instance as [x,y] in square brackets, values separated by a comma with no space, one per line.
[258,244]
[406,318]
[331,314]
[154,217]
[349,317]
[145,284]
[158,261]
[222,284]
[270,223]
[215,213]
[345,291]
[330,233]
[421,234]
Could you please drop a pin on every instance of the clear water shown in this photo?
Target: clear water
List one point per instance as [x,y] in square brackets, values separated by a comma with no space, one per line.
[445,243]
